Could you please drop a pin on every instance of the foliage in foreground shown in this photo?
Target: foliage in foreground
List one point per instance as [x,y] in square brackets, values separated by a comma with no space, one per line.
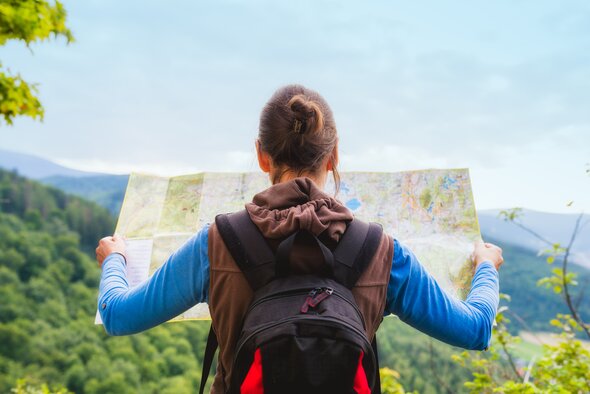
[390,382]
[564,367]
[27,21]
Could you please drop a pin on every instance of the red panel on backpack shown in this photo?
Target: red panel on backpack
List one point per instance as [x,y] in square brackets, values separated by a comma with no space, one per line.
[253,382]
[361,385]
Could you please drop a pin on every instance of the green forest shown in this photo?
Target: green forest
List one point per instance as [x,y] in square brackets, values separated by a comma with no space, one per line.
[48,287]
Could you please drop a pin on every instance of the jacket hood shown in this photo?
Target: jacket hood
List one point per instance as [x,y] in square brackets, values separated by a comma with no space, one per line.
[298,204]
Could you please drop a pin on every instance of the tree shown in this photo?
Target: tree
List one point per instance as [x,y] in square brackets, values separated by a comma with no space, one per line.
[28,21]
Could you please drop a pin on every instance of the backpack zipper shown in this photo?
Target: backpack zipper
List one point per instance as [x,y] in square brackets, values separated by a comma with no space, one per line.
[315,297]
[309,293]
[278,295]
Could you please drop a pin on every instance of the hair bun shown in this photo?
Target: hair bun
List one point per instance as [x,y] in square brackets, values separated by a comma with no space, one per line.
[308,117]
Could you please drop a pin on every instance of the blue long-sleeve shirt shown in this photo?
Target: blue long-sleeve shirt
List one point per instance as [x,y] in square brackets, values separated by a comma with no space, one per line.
[412,294]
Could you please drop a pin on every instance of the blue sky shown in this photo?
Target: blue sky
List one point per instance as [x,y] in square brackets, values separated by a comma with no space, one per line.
[173,87]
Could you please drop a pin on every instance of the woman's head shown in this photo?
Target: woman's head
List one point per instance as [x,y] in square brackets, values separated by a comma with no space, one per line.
[298,133]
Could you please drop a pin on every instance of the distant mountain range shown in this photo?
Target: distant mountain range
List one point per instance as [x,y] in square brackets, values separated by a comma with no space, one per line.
[553,227]
[35,167]
[105,189]
[108,190]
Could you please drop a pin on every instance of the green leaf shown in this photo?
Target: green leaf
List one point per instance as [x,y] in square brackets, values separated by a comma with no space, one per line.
[555,322]
[17,98]
[32,20]
[27,21]
[510,215]
[506,297]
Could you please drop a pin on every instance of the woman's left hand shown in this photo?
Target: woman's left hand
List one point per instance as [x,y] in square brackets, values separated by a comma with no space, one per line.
[108,245]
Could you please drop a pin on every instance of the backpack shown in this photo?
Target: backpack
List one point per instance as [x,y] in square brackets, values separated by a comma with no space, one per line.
[301,333]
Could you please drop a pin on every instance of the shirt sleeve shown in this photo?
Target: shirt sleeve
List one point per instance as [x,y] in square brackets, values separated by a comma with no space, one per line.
[417,299]
[180,283]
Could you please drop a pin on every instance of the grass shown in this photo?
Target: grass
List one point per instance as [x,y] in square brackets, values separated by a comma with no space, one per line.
[525,351]
[532,344]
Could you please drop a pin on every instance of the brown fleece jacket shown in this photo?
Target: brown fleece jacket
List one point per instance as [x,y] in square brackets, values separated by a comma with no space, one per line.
[278,212]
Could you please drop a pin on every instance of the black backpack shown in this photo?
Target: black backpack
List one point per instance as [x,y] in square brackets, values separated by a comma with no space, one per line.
[301,333]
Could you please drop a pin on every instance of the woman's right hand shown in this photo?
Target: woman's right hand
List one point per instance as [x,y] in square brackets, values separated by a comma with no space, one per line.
[108,245]
[485,251]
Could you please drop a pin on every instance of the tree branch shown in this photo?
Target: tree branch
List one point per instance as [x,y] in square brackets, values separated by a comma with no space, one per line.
[441,382]
[566,292]
[510,359]
[525,325]
[534,233]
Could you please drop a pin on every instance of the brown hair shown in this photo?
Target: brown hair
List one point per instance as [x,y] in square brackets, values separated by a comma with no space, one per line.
[298,131]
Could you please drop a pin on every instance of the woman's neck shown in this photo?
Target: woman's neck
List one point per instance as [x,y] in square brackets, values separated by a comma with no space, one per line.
[317,178]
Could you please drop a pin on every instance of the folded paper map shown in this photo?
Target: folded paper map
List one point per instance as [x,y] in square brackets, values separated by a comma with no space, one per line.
[430,211]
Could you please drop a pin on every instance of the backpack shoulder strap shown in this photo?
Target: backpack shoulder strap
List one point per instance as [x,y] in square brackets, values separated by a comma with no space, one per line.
[247,247]
[376,352]
[210,350]
[355,250]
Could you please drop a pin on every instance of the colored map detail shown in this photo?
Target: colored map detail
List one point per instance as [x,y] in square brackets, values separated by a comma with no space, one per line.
[430,211]
[180,211]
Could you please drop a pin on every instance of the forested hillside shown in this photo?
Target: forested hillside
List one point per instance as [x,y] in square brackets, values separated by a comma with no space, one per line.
[105,190]
[51,209]
[48,290]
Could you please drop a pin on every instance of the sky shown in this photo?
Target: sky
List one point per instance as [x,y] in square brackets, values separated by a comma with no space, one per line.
[502,88]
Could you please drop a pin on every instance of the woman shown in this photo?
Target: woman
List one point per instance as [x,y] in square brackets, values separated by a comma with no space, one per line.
[297,147]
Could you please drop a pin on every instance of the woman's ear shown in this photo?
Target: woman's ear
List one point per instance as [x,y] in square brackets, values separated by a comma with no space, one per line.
[263,158]
[333,160]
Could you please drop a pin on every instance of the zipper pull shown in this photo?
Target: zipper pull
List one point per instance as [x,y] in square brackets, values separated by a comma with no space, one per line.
[309,300]
[315,297]
[324,293]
